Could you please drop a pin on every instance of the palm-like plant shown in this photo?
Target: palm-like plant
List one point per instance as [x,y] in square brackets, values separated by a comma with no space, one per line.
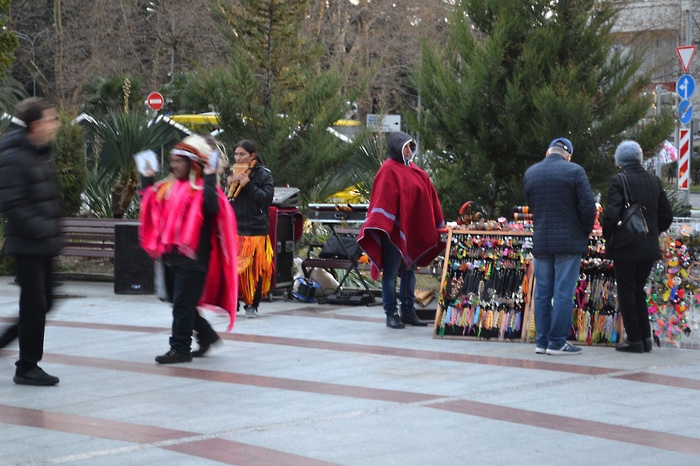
[11,92]
[5,125]
[119,136]
[364,164]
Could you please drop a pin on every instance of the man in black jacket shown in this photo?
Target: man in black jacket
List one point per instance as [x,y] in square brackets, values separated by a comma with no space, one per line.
[30,205]
[563,212]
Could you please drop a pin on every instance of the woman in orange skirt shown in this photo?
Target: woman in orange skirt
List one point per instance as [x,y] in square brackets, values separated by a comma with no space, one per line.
[251,192]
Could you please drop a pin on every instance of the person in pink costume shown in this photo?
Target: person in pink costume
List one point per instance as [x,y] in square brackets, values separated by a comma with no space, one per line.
[188,224]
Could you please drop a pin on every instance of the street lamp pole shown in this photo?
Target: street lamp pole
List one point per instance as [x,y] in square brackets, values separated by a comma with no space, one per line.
[32,40]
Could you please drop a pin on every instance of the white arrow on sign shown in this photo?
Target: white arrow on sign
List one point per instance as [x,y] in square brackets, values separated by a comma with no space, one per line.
[686,54]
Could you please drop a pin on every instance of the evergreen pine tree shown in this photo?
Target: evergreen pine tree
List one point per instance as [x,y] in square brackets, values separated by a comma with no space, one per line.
[10,90]
[8,40]
[517,74]
[275,92]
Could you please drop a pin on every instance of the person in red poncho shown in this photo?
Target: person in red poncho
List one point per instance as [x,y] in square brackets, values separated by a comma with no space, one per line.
[401,229]
[188,225]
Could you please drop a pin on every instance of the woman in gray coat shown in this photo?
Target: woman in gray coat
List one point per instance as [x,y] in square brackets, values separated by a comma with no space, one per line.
[633,263]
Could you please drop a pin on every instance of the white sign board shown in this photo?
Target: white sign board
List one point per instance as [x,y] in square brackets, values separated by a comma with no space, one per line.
[384,123]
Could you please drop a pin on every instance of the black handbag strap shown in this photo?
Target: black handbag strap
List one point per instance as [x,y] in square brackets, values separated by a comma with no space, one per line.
[626,190]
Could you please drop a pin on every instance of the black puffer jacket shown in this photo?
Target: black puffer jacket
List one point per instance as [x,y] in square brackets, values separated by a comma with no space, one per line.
[29,197]
[562,204]
[253,203]
[647,191]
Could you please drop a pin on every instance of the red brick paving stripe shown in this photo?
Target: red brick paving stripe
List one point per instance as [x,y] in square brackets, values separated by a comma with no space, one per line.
[422,354]
[647,438]
[350,391]
[124,431]
[366,349]
[224,451]
[660,379]
[93,427]
[229,452]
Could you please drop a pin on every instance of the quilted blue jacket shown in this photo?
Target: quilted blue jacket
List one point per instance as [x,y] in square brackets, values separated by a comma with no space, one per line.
[562,205]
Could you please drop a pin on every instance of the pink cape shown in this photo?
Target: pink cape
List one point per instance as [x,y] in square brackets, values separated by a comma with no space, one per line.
[405,206]
[171,220]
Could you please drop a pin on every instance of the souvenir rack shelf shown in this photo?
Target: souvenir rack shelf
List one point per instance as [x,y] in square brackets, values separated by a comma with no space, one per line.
[596,320]
[485,291]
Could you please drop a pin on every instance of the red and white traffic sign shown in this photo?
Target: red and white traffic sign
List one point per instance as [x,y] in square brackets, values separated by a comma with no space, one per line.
[155,101]
[684,158]
[686,54]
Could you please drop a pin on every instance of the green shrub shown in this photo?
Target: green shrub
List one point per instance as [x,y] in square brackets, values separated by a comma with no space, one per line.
[69,163]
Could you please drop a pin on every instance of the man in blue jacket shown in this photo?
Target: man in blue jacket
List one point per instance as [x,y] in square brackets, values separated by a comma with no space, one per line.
[563,211]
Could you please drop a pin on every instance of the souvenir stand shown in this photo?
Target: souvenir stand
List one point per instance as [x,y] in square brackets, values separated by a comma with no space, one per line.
[596,320]
[485,289]
[488,281]
[674,287]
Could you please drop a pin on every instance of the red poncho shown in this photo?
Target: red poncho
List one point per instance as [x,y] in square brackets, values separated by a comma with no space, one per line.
[405,206]
[171,221]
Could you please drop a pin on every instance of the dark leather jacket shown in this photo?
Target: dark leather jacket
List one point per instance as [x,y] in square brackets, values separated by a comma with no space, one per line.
[30,200]
[253,203]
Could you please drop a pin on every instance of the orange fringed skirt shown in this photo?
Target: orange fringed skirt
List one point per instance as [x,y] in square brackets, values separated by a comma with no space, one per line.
[255,265]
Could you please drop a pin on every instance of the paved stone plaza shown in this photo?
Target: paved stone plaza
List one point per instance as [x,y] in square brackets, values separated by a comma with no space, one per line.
[306,384]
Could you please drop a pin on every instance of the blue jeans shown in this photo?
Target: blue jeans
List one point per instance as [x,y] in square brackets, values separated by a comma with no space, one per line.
[393,265]
[555,281]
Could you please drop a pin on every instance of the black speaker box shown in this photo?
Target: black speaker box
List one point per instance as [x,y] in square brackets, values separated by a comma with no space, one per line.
[133,268]
[284,252]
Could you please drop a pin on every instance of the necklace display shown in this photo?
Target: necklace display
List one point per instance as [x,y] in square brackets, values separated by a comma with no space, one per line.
[485,286]
[596,320]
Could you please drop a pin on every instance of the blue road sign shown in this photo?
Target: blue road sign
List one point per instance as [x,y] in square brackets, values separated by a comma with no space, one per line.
[685,86]
[685,111]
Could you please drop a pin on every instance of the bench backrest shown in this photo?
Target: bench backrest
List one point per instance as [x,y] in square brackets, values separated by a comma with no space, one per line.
[89,237]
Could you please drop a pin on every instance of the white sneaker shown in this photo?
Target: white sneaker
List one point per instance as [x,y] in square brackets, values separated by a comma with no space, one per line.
[251,312]
[539,350]
[566,349]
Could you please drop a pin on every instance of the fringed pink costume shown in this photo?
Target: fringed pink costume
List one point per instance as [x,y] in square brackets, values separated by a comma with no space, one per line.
[171,221]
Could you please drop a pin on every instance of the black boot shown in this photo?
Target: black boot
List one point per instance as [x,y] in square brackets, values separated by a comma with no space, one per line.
[630,347]
[205,344]
[412,319]
[648,345]
[394,321]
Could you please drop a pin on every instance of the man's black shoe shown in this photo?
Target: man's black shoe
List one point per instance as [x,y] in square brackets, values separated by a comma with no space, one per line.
[412,319]
[394,321]
[174,357]
[204,346]
[648,345]
[630,347]
[35,376]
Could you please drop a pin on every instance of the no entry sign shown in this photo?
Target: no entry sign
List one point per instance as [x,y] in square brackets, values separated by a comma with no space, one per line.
[155,101]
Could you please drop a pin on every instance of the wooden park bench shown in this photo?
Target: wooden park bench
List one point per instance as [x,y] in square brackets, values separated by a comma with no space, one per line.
[89,237]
